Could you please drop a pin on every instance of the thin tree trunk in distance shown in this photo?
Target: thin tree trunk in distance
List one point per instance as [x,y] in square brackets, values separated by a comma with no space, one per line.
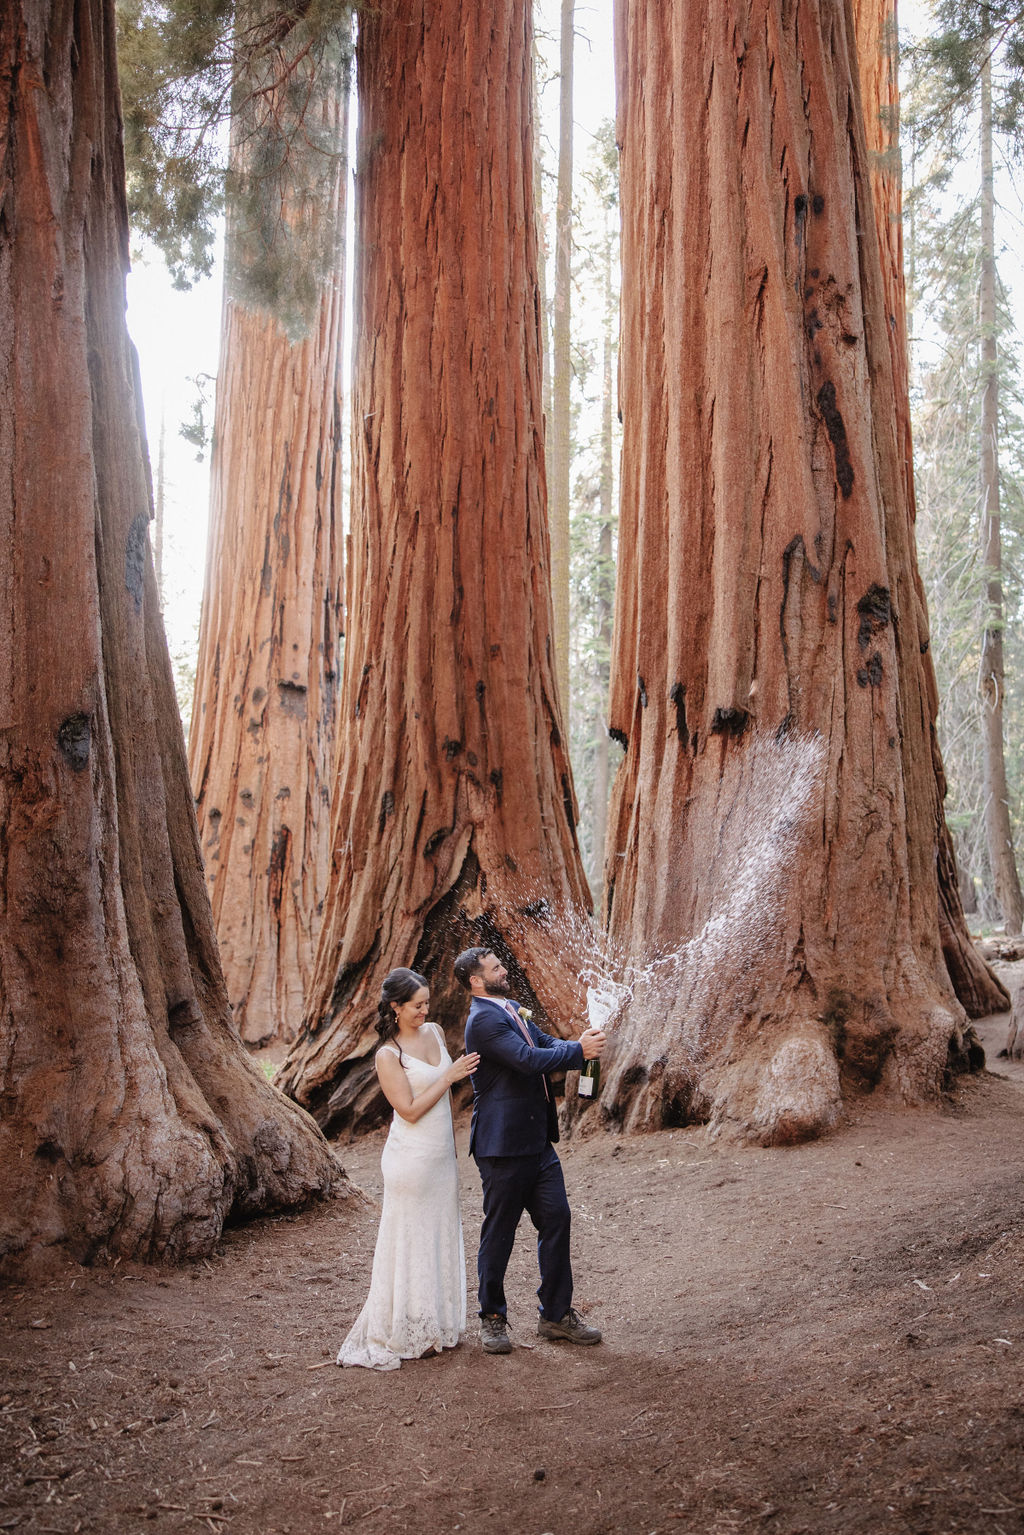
[158,511]
[133,1122]
[606,577]
[262,742]
[559,492]
[998,831]
[776,804]
[877,34]
[542,279]
[453,818]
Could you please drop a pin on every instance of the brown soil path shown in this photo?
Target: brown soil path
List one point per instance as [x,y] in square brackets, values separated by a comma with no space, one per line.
[827,1338]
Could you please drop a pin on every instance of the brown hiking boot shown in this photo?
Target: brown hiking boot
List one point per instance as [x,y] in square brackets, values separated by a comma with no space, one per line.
[494,1334]
[571,1329]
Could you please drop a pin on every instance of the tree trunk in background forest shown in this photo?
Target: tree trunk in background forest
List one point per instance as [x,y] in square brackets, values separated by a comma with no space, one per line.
[560,458]
[262,741]
[998,831]
[542,281]
[133,1122]
[454,813]
[878,59]
[606,574]
[776,807]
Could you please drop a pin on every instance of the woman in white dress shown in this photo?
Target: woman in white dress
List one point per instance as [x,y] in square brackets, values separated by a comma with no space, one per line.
[417,1299]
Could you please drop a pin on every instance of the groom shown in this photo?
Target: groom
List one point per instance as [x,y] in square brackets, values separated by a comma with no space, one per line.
[514,1124]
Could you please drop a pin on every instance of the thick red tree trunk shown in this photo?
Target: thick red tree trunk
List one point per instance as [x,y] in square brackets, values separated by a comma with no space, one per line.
[262,742]
[453,817]
[777,802]
[878,58]
[132,1121]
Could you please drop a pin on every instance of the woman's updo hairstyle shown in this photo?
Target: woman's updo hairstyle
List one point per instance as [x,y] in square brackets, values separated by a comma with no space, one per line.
[399,985]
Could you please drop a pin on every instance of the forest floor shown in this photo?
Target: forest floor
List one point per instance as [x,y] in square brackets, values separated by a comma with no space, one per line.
[828,1338]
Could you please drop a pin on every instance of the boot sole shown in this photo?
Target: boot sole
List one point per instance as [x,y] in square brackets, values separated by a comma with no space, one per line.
[564,1337]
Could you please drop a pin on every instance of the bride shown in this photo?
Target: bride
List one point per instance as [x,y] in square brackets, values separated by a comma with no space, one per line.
[417,1299]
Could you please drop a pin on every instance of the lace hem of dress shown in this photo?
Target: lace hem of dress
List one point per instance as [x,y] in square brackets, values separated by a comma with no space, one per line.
[370,1355]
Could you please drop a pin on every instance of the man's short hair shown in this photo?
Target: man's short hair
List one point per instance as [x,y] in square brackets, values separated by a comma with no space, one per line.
[467,964]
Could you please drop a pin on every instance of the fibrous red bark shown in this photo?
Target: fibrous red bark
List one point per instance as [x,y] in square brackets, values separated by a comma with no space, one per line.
[454,815]
[132,1120]
[976,987]
[766,678]
[262,741]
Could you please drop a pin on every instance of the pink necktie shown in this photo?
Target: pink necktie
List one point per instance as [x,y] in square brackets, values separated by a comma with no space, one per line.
[526,1035]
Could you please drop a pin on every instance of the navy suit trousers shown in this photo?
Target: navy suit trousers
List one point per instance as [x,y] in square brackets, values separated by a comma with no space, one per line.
[534,1184]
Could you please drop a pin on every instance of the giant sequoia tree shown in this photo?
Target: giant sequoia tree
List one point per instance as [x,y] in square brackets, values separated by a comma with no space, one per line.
[453,816]
[132,1121]
[767,679]
[877,36]
[261,747]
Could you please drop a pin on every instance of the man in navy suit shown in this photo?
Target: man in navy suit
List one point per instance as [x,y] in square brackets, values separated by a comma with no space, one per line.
[514,1124]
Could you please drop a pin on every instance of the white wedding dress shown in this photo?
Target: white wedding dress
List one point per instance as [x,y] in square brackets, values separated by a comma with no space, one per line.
[417,1298]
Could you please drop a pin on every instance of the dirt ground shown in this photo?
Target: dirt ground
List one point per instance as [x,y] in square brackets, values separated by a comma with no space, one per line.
[825,1338]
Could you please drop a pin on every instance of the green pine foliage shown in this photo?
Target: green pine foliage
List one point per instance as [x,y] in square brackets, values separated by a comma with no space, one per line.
[229,105]
[964,33]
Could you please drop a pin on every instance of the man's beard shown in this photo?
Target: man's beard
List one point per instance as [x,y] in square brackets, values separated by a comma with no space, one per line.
[497,989]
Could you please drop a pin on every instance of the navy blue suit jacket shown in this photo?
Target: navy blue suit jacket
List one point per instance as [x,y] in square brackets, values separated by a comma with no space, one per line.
[511,1116]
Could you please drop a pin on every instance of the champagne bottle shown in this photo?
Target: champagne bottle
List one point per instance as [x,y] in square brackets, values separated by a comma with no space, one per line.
[590,1079]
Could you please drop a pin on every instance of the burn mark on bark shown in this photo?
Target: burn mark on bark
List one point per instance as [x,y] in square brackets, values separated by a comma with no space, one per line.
[451,749]
[246,796]
[345,984]
[539,910]
[731,721]
[677,696]
[498,781]
[871,675]
[135,559]
[641,689]
[434,841]
[74,738]
[387,807]
[818,205]
[567,802]
[619,736]
[276,866]
[184,1014]
[836,428]
[875,609]
[480,690]
[292,698]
